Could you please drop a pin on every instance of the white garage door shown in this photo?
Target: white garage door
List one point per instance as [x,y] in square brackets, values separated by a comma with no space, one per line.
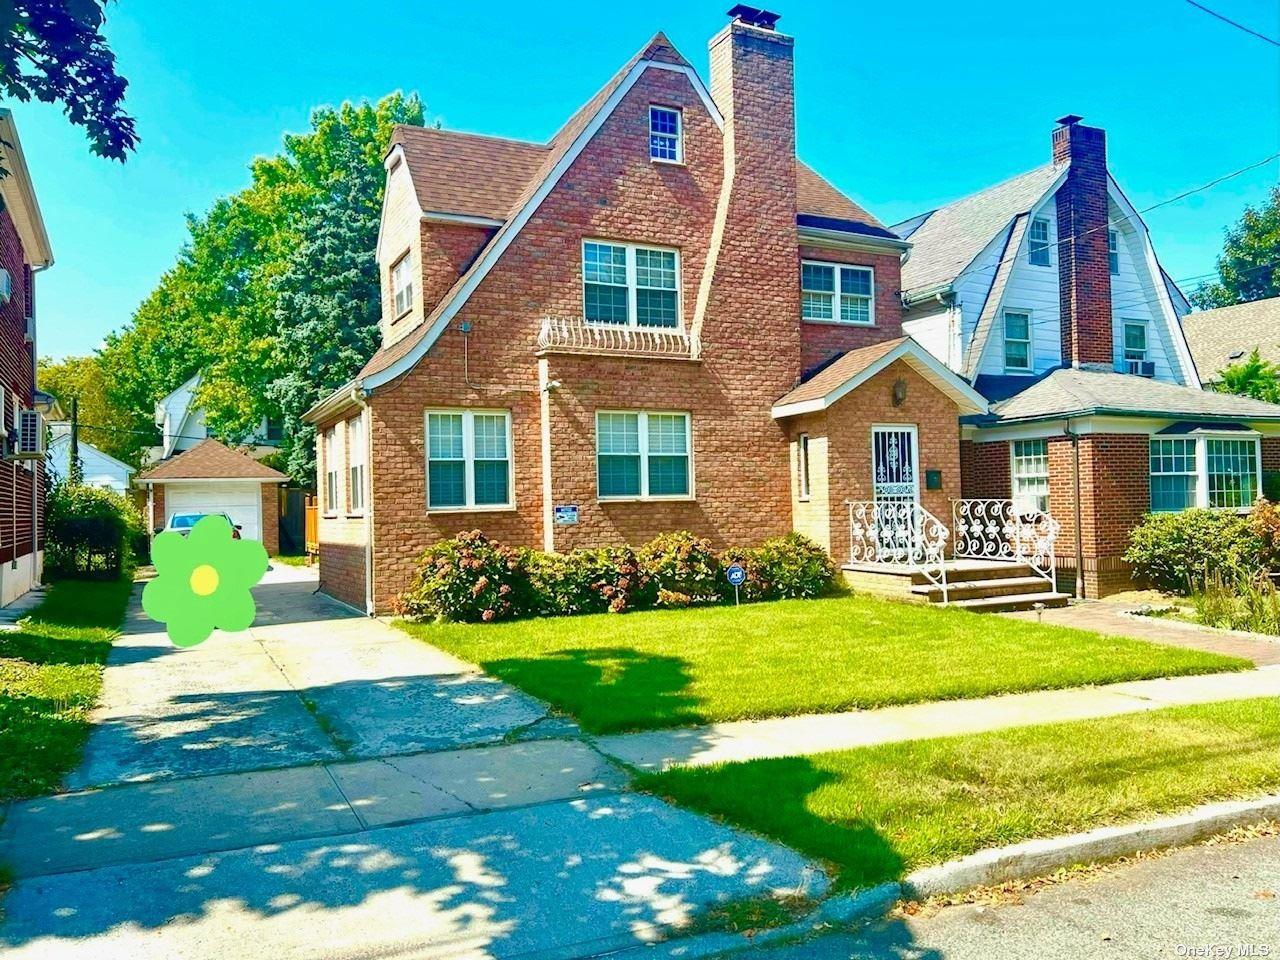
[242,502]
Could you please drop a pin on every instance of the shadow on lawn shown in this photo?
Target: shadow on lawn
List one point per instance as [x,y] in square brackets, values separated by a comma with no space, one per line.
[642,689]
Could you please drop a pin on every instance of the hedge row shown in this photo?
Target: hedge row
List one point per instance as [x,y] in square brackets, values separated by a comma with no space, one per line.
[1181,552]
[472,578]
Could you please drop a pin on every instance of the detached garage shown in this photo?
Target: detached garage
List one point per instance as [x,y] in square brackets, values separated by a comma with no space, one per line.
[213,478]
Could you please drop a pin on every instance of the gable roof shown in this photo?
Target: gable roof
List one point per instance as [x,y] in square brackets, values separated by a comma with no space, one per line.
[947,240]
[211,460]
[19,195]
[856,367]
[60,436]
[1220,337]
[1074,392]
[995,296]
[517,175]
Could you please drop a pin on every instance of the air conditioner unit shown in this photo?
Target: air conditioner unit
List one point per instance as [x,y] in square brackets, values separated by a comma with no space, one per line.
[6,286]
[30,445]
[1141,368]
[30,334]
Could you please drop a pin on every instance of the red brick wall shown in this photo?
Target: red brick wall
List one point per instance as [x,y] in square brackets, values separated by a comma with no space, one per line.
[821,341]
[157,508]
[1270,454]
[18,485]
[271,518]
[342,572]
[448,249]
[985,469]
[1083,267]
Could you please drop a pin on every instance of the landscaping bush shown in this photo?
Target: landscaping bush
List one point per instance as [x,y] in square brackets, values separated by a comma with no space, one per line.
[1264,521]
[782,568]
[90,531]
[469,578]
[1177,552]
[683,568]
[589,581]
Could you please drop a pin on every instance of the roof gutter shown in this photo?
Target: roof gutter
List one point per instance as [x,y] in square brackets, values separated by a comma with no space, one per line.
[819,236]
[1120,412]
[350,394]
[920,294]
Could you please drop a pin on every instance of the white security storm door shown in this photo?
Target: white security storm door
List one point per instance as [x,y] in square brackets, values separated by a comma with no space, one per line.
[894,465]
[242,502]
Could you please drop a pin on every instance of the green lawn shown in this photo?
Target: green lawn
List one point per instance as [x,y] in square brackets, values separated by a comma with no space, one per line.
[678,667]
[290,559]
[877,813]
[50,675]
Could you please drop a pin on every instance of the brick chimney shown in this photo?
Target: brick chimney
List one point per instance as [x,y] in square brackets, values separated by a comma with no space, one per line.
[1084,274]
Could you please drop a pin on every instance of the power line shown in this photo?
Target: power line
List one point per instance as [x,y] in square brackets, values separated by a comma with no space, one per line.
[1237,25]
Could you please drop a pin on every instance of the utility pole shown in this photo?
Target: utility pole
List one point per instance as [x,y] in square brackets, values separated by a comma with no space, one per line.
[75,469]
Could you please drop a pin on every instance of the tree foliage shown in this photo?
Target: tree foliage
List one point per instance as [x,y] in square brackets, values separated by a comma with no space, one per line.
[293,249]
[54,51]
[1249,266]
[120,433]
[1251,377]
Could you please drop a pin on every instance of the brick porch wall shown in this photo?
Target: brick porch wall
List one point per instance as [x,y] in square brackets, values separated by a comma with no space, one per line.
[271,518]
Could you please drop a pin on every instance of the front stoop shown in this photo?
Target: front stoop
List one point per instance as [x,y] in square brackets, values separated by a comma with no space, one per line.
[984,586]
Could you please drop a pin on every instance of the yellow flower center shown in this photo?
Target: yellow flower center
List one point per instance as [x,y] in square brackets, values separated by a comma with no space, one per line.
[204,580]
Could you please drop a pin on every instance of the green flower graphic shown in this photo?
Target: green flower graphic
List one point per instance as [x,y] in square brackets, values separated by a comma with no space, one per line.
[203,581]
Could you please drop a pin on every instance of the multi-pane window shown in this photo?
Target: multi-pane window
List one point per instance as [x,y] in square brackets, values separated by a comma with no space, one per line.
[629,285]
[1113,251]
[331,470]
[1038,242]
[802,466]
[1135,345]
[665,135]
[402,284]
[642,455]
[1030,475]
[1232,471]
[837,292]
[1017,340]
[356,453]
[1173,474]
[468,459]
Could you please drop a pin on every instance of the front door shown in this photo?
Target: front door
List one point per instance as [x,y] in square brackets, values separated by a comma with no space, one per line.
[895,488]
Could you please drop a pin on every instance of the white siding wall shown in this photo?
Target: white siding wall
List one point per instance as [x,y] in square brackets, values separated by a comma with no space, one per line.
[937,330]
[1135,295]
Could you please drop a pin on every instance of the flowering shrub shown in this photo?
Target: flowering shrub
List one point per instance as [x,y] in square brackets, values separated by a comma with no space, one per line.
[1264,523]
[469,578]
[782,568]
[684,569]
[589,581]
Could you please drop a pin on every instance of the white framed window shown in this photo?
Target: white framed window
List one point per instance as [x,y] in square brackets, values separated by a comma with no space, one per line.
[356,455]
[1174,474]
[642,455]
[402,284]
[1038,242]
[1029,472]
[469,460]
[1217,471]
[630,285]
[802,464]
[837,293]
[1113,252]
[666,134]
[1017,340]
[1135,344]
[331,470]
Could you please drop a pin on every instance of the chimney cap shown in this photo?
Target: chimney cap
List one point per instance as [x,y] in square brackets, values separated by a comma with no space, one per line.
[1070,120]
[754,16]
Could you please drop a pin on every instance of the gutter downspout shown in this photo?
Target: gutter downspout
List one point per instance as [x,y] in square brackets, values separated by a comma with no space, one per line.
[1075,449]
[358,395]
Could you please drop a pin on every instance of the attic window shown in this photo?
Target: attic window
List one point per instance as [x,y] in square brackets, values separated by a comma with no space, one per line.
[402,285]
[666,135]
[1038,242]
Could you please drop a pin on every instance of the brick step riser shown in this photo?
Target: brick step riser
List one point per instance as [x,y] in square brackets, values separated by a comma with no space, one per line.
[994,588]
[979,573]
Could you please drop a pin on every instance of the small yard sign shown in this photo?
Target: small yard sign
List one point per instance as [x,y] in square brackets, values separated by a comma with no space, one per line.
[736,574]
[566,514]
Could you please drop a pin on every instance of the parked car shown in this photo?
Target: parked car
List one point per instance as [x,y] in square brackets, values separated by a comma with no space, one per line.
[181,523]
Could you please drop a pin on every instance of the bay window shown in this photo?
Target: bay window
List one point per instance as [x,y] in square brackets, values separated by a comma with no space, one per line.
[468,459]
[1173,474]
[1231,467]
[630,285]
[642,455]
[837,293]
[1206,470]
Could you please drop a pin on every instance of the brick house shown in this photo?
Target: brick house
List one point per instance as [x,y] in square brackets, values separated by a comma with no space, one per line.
[24,252]
[1046,293]
[657,320]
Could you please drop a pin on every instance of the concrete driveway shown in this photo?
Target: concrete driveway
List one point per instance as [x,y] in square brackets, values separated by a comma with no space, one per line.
[323,785]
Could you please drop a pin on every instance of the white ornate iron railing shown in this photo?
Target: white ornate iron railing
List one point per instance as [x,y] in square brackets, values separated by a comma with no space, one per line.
[576,335]
[1002,530]
[899,532]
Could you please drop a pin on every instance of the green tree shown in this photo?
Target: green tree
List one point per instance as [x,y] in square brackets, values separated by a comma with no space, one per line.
[1251,377]
[54,50]
[113,430]
[216,310]
[1249,266]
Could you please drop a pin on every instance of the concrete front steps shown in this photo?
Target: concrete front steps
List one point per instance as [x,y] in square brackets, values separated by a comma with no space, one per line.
[986,586]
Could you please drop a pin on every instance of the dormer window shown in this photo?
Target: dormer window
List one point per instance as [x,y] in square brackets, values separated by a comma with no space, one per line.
[666,135]
[1038,242]
[402,285]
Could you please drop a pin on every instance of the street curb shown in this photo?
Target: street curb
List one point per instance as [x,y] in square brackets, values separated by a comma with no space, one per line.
[1019,861]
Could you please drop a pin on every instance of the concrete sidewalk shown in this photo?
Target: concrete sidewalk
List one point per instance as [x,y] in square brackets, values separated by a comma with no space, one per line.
[794,736]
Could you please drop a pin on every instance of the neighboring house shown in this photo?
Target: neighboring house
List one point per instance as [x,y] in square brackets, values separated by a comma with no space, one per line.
[212,478]
[98,469]
[24,252]
[1045,292]
[1227,335]
[657,320]
[182,425]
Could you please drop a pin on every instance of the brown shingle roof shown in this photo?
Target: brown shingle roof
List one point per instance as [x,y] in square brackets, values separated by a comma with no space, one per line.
[816,197]
[211,460]
[848,366]
[1221,337]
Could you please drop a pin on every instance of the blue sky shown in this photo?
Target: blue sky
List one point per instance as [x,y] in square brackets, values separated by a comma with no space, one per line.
[903,106]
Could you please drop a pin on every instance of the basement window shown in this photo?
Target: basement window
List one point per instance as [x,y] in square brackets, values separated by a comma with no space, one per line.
[666,135]
[1038,242]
